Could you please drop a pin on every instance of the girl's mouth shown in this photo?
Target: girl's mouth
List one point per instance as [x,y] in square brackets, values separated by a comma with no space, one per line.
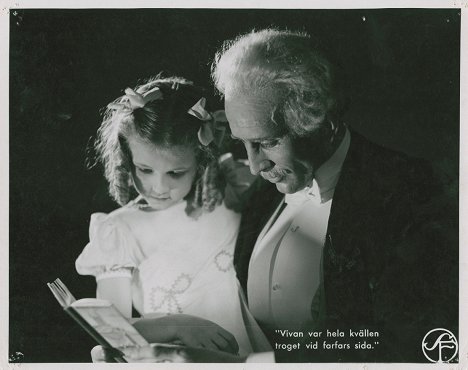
[160,198]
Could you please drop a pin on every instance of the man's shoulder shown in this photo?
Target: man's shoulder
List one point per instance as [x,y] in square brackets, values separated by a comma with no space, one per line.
[378,181]
[388,168]
[371,155]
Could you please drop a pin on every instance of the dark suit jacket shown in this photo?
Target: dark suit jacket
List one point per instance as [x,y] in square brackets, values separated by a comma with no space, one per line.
[390,256]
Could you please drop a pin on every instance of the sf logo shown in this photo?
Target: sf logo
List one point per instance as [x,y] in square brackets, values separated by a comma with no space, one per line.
[440,345]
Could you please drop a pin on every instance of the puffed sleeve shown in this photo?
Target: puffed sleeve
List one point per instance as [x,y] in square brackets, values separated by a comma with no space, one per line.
[111,250]
[238,180]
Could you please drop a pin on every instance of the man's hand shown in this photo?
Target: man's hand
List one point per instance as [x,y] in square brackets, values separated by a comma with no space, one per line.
[165,353]
[189,330]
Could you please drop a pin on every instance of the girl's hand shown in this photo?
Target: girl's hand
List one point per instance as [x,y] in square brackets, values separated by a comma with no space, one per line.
[189,330]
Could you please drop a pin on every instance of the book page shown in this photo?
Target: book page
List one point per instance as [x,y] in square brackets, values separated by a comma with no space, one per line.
[109,322]
[91,302]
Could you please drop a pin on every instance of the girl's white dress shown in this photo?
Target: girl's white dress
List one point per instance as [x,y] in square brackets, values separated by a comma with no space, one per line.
[177,265]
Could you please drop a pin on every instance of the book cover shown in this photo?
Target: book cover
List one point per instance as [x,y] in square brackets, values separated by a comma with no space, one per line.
[100,319]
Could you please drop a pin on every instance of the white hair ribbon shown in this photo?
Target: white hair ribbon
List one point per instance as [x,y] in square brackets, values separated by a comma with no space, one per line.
[137,100]
[209,130]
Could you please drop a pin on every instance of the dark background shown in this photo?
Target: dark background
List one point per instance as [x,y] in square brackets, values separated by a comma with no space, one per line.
[65,65]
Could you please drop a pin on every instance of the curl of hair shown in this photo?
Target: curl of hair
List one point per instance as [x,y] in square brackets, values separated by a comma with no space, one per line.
[163,123]
[208,191]
[272,63]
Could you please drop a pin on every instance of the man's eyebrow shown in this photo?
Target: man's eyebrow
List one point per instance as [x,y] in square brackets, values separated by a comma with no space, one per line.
[258,138]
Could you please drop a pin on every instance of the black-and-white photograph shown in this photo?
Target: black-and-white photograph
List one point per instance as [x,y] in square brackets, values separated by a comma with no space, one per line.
[234,185]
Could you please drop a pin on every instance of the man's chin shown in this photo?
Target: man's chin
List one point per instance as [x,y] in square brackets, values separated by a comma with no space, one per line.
[285,188]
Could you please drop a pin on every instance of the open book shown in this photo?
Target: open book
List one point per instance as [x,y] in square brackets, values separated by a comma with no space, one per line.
[99,318]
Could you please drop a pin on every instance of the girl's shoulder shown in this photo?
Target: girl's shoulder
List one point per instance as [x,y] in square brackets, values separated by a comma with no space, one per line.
[112,245]
[118,217]
[220,220]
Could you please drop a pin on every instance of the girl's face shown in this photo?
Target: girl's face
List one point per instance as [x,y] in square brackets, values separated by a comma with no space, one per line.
[162,176]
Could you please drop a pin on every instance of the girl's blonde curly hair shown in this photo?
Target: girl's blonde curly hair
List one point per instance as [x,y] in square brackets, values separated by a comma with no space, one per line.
[164,122]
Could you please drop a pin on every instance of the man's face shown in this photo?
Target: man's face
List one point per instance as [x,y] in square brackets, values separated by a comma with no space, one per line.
[272,153]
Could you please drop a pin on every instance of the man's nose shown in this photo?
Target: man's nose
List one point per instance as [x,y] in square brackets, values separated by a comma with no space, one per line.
[257,160]
[160,185]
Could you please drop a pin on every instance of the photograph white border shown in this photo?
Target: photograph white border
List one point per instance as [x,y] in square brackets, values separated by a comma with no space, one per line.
[7,6]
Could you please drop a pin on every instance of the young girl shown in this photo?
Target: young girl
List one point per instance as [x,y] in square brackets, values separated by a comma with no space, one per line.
[169,251]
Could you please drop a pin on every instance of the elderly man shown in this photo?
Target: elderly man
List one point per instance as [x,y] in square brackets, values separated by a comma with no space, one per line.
[343,235]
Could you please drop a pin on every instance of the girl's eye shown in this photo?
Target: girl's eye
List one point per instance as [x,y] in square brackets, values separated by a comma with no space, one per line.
[176,175]
[145,171]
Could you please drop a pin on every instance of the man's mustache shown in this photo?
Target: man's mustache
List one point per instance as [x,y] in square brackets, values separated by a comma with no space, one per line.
[273,173]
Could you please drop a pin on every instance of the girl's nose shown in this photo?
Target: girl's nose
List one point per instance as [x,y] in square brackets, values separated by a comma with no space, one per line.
[160,185]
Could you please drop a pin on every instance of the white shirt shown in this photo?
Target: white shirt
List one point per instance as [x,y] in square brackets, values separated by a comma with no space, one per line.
[285,267]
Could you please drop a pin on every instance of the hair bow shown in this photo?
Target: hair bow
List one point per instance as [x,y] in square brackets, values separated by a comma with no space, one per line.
[210,130]
[137,100]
